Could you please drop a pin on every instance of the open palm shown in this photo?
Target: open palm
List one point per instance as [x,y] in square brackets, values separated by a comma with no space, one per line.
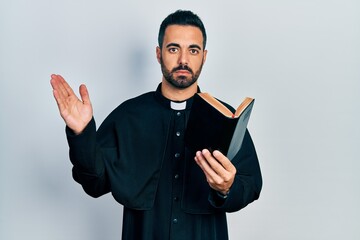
[75,112]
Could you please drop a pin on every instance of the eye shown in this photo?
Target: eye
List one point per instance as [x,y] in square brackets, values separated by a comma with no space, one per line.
[173,50]
[194,51]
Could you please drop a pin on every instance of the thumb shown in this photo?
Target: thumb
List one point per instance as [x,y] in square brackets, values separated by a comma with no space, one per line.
[84,94]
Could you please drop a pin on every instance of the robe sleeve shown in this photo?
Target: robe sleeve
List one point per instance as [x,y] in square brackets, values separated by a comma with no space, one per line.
[88,167]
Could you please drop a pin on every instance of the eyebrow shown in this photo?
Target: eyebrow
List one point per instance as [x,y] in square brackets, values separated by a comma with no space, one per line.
[178,45]
[172,45]
[195,46]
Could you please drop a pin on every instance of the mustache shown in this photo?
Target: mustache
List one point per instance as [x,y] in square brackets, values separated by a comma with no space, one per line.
[182,67]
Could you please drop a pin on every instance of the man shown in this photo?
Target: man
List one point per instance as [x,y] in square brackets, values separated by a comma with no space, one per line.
[138,153]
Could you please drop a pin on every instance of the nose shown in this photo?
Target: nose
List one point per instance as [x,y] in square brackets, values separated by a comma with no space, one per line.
[183,57]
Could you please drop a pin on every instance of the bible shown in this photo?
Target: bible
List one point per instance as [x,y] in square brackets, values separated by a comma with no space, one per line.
[213,126]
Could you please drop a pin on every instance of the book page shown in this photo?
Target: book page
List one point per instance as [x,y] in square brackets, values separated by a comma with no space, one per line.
[243,106]
[216,104]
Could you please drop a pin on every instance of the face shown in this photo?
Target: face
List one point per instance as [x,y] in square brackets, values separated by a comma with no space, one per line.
[182,55]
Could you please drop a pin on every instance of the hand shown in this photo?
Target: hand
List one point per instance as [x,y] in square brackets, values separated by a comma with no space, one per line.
[75,112]
[218,169]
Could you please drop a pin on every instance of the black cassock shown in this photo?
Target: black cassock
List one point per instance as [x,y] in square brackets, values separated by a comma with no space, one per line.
[138,155]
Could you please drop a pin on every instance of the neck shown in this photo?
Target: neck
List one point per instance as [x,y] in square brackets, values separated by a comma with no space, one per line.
[177,94]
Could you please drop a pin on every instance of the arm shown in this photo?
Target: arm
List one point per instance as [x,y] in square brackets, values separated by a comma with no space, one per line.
[88,168]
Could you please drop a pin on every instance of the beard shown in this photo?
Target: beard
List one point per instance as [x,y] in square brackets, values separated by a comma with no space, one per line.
[180,82]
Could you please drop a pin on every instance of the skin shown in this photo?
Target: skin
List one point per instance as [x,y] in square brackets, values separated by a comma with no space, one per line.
[182,46]
[76,112]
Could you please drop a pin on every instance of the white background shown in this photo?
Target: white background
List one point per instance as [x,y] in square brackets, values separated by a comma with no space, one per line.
[299,59]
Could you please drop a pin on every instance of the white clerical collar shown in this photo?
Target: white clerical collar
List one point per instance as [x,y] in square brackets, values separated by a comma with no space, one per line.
[178,105]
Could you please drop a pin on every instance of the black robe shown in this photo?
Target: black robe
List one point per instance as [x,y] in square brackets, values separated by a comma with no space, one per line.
[138,155]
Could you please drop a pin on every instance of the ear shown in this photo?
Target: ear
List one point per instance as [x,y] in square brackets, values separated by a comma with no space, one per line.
[158,54]
[205,54]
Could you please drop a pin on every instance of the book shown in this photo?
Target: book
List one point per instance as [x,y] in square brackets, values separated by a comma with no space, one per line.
[211,125]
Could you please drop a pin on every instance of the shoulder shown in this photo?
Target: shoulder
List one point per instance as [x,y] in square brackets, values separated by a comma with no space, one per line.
[142,101]
[139,101]
[139,105]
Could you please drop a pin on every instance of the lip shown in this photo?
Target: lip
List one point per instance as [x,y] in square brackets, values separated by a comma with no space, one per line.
[182,72]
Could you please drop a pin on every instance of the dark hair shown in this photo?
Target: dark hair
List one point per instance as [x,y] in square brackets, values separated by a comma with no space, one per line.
[181,17]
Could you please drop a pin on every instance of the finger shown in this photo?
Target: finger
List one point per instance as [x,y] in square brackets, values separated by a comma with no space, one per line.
[57,96]
[211,176]
[54,82]
[61,91]
[56,91]
[224,177]
[213,162]
[202,161]
[221,158]
[58,85]
[220,164]
[84,94]
[65,87]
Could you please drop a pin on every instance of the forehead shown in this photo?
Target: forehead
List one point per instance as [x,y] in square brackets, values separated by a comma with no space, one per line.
[183,35]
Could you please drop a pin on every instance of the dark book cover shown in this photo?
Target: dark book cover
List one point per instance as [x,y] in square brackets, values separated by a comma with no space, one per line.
[210,128]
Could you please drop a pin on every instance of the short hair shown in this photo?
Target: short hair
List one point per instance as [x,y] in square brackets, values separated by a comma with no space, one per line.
[184,18]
